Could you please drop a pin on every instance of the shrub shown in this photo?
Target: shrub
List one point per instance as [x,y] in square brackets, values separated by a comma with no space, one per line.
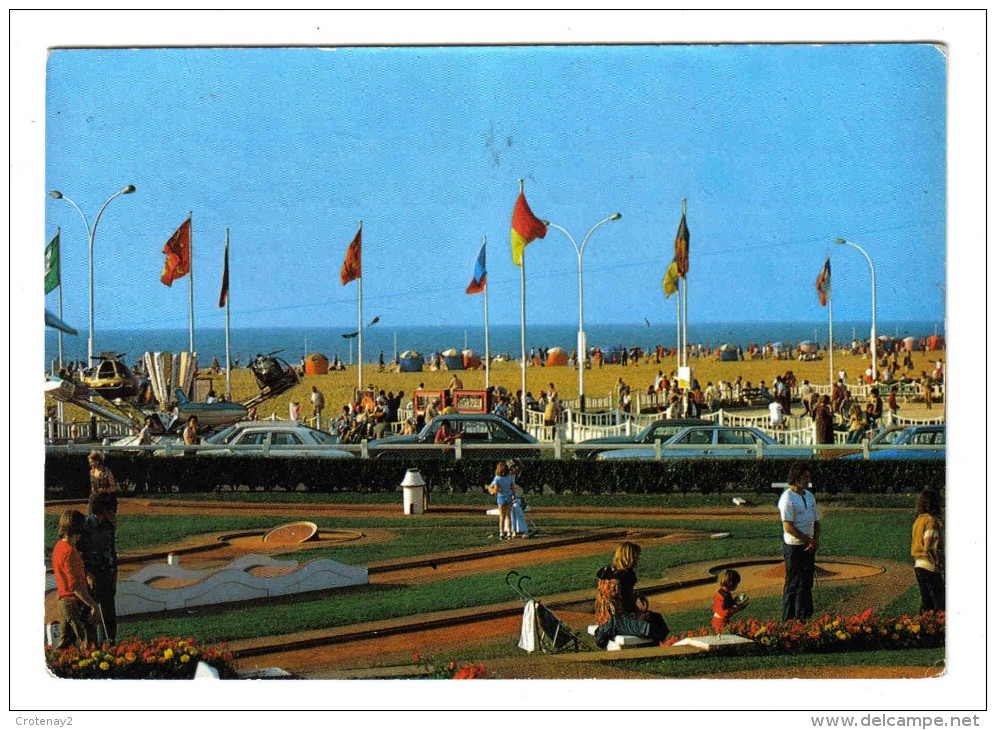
[66,474]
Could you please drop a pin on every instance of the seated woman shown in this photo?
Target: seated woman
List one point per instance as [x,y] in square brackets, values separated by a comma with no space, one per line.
[619,609]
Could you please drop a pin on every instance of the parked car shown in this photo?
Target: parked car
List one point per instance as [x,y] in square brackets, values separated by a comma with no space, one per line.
[661,430]
[930,439]
[283,439]
[475,429]
[715,442]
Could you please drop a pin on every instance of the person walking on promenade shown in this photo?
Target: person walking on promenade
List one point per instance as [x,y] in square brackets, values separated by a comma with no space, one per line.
[928,389]
[800,541]
[856,425]
[928,550]
[190,435]
[100,558]
[70,581]
[101,479]
[317,405]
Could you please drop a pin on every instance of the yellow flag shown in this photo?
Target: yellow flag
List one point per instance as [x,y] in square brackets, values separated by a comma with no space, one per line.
[671,280]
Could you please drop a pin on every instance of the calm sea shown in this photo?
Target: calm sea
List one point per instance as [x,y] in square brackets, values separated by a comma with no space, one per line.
[295,342]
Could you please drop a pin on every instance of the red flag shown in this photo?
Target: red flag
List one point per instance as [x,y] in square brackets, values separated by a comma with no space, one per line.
[223,299]
[177,250]
[823,283]
[352,266]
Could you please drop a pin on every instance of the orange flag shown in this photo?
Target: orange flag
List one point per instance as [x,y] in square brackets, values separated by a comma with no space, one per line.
[177,250]
[352,267]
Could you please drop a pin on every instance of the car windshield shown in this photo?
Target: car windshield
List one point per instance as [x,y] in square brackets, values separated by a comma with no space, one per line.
[223,436]
[321,437]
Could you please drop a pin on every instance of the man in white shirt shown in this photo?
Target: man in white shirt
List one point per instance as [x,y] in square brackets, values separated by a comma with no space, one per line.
[800,541]
[775,411]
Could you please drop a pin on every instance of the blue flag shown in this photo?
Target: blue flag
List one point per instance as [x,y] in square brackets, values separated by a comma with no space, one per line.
[480,280]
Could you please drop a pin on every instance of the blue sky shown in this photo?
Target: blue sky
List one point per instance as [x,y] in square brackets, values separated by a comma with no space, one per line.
[777,148]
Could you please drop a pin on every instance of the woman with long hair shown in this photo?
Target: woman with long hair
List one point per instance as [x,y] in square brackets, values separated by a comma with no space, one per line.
[619,609]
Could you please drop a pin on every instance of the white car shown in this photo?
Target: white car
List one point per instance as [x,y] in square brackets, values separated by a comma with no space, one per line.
[279,438]
[714,442]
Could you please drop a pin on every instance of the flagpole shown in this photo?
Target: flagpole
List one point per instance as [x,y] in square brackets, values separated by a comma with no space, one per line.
[58,264]
[684,291]
[191,254]
[228,310]
[830,309]
[487,342]
[677,319]
[522,280]
[359,344]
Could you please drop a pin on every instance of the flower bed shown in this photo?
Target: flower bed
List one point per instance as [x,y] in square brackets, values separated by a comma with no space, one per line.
[451,670]
[836,633]
[162,658]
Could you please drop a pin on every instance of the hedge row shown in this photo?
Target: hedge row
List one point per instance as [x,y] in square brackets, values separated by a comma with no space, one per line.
[66,475]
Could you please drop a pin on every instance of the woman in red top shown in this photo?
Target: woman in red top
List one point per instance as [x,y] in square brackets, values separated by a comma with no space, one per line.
[724,605]
[70,579]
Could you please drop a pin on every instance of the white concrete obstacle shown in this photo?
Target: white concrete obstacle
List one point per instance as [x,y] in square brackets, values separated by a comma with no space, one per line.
[228,584]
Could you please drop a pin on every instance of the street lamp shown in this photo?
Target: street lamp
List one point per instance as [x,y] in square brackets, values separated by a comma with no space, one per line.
[582,345]
[91,232]
[874,336]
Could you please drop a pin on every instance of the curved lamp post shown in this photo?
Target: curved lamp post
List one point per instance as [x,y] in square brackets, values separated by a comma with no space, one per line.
[582,345]
[874,335]
[91,232]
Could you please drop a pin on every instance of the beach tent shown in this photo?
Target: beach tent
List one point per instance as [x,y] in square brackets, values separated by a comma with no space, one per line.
[556,356]
[316,364]
[935,342]
[807,347]
[453,359]
[778,347]
[471,359]
[410,362]
[728,353]
[909,344]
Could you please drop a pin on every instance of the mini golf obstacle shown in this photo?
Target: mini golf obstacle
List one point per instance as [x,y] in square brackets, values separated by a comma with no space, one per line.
[169,587]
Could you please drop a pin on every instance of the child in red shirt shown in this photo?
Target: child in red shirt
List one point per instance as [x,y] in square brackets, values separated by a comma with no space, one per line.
[70,579]
[724,604]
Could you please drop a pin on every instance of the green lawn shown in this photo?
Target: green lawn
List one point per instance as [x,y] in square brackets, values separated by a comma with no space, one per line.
[876,533]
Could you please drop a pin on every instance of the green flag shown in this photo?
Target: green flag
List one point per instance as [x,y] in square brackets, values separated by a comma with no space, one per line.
[52,273]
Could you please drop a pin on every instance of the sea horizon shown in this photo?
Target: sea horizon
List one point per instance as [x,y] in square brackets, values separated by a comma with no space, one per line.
[294,342]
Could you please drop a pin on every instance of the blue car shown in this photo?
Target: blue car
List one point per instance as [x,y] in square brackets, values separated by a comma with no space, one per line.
[929,440]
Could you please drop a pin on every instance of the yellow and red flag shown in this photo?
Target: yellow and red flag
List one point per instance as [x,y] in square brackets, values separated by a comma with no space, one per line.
[526,228]
[177,250]
[352,266]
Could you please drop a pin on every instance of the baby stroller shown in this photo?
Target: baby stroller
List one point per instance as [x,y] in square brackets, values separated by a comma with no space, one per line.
[541,629]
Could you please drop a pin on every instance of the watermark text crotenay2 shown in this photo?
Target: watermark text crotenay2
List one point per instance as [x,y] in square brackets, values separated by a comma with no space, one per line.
[43,721]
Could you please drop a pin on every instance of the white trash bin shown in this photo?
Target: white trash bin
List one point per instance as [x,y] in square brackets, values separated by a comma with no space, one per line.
[413,493]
